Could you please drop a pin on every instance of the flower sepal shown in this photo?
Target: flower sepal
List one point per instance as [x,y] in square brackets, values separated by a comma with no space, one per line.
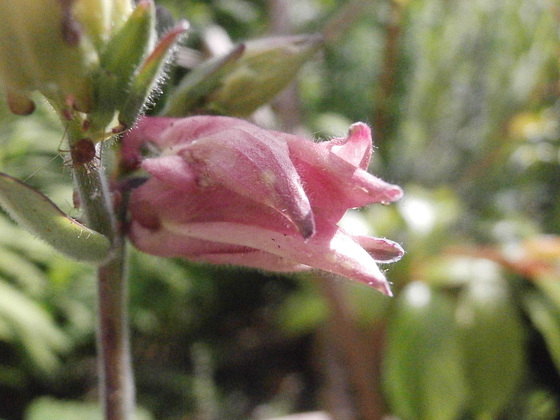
[142,84]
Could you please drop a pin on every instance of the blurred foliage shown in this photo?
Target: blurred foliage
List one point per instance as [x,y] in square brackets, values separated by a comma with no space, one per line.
[50,409]
[464,99]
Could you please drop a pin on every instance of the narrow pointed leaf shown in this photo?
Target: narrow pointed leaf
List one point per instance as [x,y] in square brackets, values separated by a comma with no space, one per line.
[148,73]
[42,218]
[127,48]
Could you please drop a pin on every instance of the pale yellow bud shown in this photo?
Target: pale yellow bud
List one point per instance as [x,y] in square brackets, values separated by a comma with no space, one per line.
[53,46]
[100,19]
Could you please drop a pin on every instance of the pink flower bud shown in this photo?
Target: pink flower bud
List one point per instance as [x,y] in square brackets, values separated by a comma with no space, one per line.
[225,191]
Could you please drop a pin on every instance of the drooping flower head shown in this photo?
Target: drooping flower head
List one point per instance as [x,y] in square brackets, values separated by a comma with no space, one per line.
[225,191]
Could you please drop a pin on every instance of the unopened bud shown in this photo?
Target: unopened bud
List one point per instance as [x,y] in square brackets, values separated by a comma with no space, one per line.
[120,59]
[97,57]
[100,19]
[42,49]
[53,47]
[249,77]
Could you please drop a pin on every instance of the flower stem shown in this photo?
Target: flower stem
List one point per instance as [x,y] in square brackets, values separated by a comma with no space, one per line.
[115,367]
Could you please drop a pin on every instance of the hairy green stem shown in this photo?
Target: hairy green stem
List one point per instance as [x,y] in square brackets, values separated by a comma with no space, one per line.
[115,367]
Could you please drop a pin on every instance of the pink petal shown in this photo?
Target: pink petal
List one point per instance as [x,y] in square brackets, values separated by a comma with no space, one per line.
[166,132]
[331,178]
[335,185]
[256,165]
[235,154]
[381,250]
[166,244]
[330,250]
[184,131]
[256,259]
[147,129]
[172,170]
[356,148]
[196,203]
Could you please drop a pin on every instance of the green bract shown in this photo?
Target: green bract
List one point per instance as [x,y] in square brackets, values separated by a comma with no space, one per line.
[119,60]
[41,217]
[147,76]
[101,18]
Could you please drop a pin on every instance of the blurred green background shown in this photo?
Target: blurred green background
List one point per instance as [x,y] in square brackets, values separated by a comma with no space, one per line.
[463,97]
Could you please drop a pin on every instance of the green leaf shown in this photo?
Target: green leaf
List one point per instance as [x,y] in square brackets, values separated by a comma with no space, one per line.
[303,311]
[422,372]
[549,286]
[42,218]
[546,318]
[25,322]
[47,408]
[27,275]
[492,338]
